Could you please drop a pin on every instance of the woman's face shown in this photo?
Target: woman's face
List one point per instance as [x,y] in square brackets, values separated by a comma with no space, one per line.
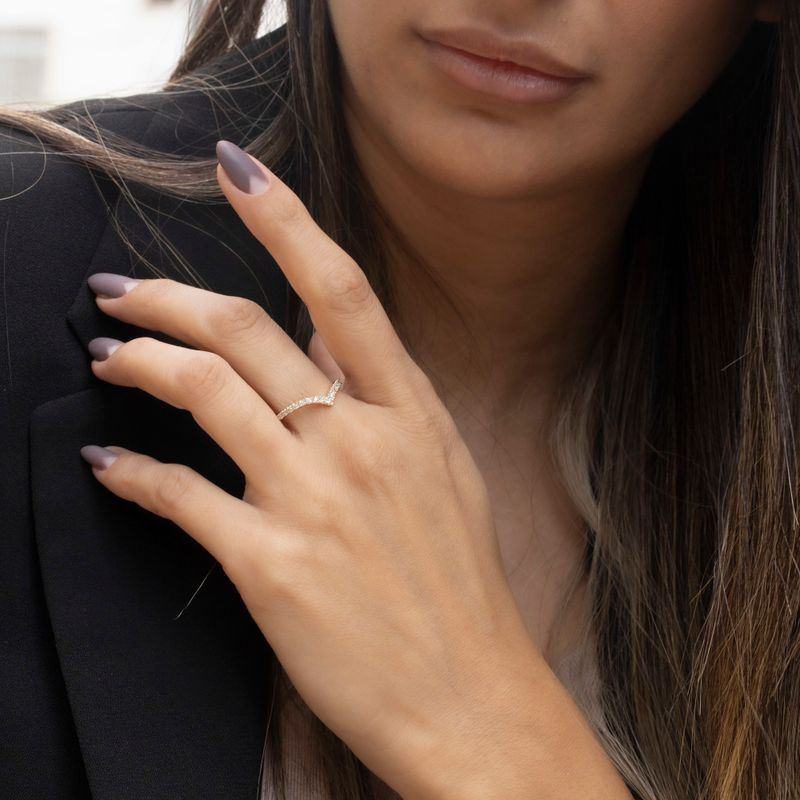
[648,61]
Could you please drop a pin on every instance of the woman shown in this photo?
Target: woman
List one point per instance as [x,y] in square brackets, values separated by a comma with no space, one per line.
[594,414]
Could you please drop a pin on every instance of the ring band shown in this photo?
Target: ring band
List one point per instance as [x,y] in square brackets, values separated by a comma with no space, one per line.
[317,399]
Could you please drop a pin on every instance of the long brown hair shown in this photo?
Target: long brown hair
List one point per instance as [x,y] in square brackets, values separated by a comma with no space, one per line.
[676,437]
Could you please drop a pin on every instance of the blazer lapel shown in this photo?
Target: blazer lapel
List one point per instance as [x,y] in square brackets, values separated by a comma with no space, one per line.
[166,704]
[169,701]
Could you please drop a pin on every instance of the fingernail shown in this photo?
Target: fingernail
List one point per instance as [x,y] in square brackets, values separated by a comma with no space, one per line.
[240,168]
[102,347]
[109,284]
[98,456]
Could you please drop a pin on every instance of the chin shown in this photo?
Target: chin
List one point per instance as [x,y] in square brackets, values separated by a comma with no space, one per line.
[482,167]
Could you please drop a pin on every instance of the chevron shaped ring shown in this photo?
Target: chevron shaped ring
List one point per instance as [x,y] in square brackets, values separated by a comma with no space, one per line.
[325,400]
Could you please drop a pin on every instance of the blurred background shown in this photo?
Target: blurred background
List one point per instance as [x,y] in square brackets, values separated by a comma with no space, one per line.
[56,51]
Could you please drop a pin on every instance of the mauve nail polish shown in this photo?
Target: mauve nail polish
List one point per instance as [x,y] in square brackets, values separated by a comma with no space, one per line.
[102,347]
[109,284]
[98,456]
[240,168]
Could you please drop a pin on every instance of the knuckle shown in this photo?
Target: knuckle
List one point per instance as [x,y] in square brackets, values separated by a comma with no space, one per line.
[413,389]
[136,352]
[421,427]
[288,555]
[203,375]
[344,286]
[230,318]
[448,433]
[424,389]
[434,429]
[158,288]
[140,347]
[288,211]
[375,454]
[172,489]
[276,572]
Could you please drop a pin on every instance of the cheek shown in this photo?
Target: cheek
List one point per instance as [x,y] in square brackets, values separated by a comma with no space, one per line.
[666,57]
[366,33]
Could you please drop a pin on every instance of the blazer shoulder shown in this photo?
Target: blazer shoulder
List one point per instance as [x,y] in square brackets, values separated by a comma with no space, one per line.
[60,218]
[51,198]
[53,210]
[51,191]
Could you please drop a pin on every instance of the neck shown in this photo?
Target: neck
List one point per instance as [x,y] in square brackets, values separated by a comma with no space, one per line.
[513,289]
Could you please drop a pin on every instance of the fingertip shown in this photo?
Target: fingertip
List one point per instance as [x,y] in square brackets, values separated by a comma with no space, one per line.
[100,458]
[246,173]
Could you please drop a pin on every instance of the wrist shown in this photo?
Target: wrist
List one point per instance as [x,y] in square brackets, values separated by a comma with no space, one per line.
[480,746]
[520,735]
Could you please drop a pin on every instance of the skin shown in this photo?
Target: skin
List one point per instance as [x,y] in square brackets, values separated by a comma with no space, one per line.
[394,620]
[518,210]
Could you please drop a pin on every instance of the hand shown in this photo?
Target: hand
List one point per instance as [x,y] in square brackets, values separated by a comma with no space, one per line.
[364,545]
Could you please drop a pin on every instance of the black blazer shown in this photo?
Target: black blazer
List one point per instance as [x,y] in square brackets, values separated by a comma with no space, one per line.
[106,689]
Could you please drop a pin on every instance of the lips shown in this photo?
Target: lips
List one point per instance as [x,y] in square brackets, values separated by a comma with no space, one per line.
[521,53]
[501,79]
[503,65]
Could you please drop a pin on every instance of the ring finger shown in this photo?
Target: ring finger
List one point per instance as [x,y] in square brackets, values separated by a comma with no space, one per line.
[221,402]
[236,328]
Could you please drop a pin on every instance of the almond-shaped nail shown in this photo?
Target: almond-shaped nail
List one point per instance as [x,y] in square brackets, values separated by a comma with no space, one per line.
[98,456]
[244,173]
[103,346]
[109,284]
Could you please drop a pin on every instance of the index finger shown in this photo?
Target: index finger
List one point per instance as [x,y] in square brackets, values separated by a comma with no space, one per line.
[343,307]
